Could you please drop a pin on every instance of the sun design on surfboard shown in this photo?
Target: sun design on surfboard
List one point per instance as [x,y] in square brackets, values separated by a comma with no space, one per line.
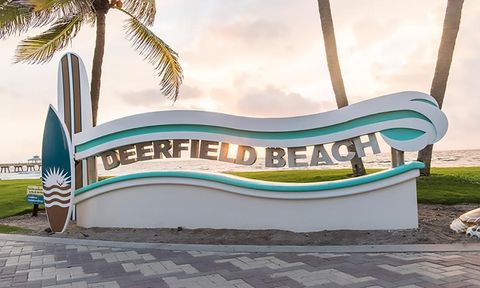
[56,177]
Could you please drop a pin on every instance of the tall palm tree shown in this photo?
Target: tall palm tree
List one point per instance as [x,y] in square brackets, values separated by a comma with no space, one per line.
[451,25]
[66,17]
[358,168]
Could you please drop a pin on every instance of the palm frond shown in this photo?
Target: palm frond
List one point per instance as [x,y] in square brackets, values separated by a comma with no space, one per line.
[16,18]
[40,49]
[143,10]
[158,53]
[61,8]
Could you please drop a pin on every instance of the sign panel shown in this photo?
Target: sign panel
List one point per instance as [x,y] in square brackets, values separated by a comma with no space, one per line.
[34,195]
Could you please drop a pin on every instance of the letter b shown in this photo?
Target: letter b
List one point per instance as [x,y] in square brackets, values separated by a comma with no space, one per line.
[274,157]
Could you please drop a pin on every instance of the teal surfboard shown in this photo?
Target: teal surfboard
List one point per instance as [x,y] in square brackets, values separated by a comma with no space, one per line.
[58,181]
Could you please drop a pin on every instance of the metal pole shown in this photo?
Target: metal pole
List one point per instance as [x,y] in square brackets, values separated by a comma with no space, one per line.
[398,157]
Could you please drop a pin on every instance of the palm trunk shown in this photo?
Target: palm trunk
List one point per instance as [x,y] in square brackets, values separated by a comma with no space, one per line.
[97,64]
[358,169]
[101,9]
[451,26]
[331,52]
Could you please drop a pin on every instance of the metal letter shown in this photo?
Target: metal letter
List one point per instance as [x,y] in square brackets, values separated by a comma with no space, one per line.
[142,150]
[319,154]
[276,160]
[293,156]
[177,147]
[205,147]
[125,152]
[160,148]
[336,151]
[252,155]
[360,146]
[194,148]
[223,155]
[110,160]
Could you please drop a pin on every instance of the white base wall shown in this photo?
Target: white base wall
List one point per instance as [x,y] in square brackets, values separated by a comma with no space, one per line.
[167,203]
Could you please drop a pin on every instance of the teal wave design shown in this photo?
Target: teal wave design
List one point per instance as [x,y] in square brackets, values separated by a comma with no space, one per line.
[283,135]
[259,185]
[402,134]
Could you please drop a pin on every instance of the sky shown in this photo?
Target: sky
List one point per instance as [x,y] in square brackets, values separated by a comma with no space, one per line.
[258,58]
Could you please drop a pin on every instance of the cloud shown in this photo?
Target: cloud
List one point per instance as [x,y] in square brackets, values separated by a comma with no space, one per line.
[411,76]
[250,31]
[369,30]
[21,126]
[143,98]
[244,42]
[272,101]
[154,98]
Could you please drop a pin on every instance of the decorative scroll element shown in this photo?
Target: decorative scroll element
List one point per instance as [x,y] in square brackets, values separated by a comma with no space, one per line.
[408,121]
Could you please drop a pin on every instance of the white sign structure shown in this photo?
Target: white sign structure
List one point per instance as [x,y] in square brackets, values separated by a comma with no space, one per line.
[407,121]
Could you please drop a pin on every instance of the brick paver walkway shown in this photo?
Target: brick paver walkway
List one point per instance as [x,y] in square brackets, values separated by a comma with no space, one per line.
[43,264]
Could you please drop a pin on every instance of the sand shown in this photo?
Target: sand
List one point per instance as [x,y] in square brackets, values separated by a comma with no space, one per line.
[434,221]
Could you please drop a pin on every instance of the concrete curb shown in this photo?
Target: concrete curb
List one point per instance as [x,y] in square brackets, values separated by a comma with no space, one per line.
[416,248]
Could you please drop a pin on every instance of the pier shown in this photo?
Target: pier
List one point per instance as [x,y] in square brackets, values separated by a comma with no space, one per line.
[33,164]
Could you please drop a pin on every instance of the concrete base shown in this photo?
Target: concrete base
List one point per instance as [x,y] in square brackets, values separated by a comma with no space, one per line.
[191,203]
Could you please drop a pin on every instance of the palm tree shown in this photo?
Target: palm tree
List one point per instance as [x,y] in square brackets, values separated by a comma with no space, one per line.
[358,168]
[66,17]
[451,26]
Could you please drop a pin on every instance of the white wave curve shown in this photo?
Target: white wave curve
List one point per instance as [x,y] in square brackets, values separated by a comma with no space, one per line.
[57,204]
[56,197]
[48,192]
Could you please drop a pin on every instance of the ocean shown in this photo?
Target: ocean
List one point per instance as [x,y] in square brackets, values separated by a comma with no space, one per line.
[453,158]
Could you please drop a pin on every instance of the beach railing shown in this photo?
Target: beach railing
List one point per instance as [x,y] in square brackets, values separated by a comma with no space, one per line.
[20,167]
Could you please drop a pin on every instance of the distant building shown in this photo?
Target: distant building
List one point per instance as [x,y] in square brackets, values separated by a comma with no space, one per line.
[35,160]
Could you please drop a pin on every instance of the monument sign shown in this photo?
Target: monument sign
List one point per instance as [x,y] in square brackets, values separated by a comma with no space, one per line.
[407,121]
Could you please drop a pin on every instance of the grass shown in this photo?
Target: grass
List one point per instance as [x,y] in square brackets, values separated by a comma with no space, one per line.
[450,186]
[12,229]
[12,197]
[444,186]
[300,176]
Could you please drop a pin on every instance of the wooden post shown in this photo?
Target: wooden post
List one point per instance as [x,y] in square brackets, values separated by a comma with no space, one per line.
[35,210]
